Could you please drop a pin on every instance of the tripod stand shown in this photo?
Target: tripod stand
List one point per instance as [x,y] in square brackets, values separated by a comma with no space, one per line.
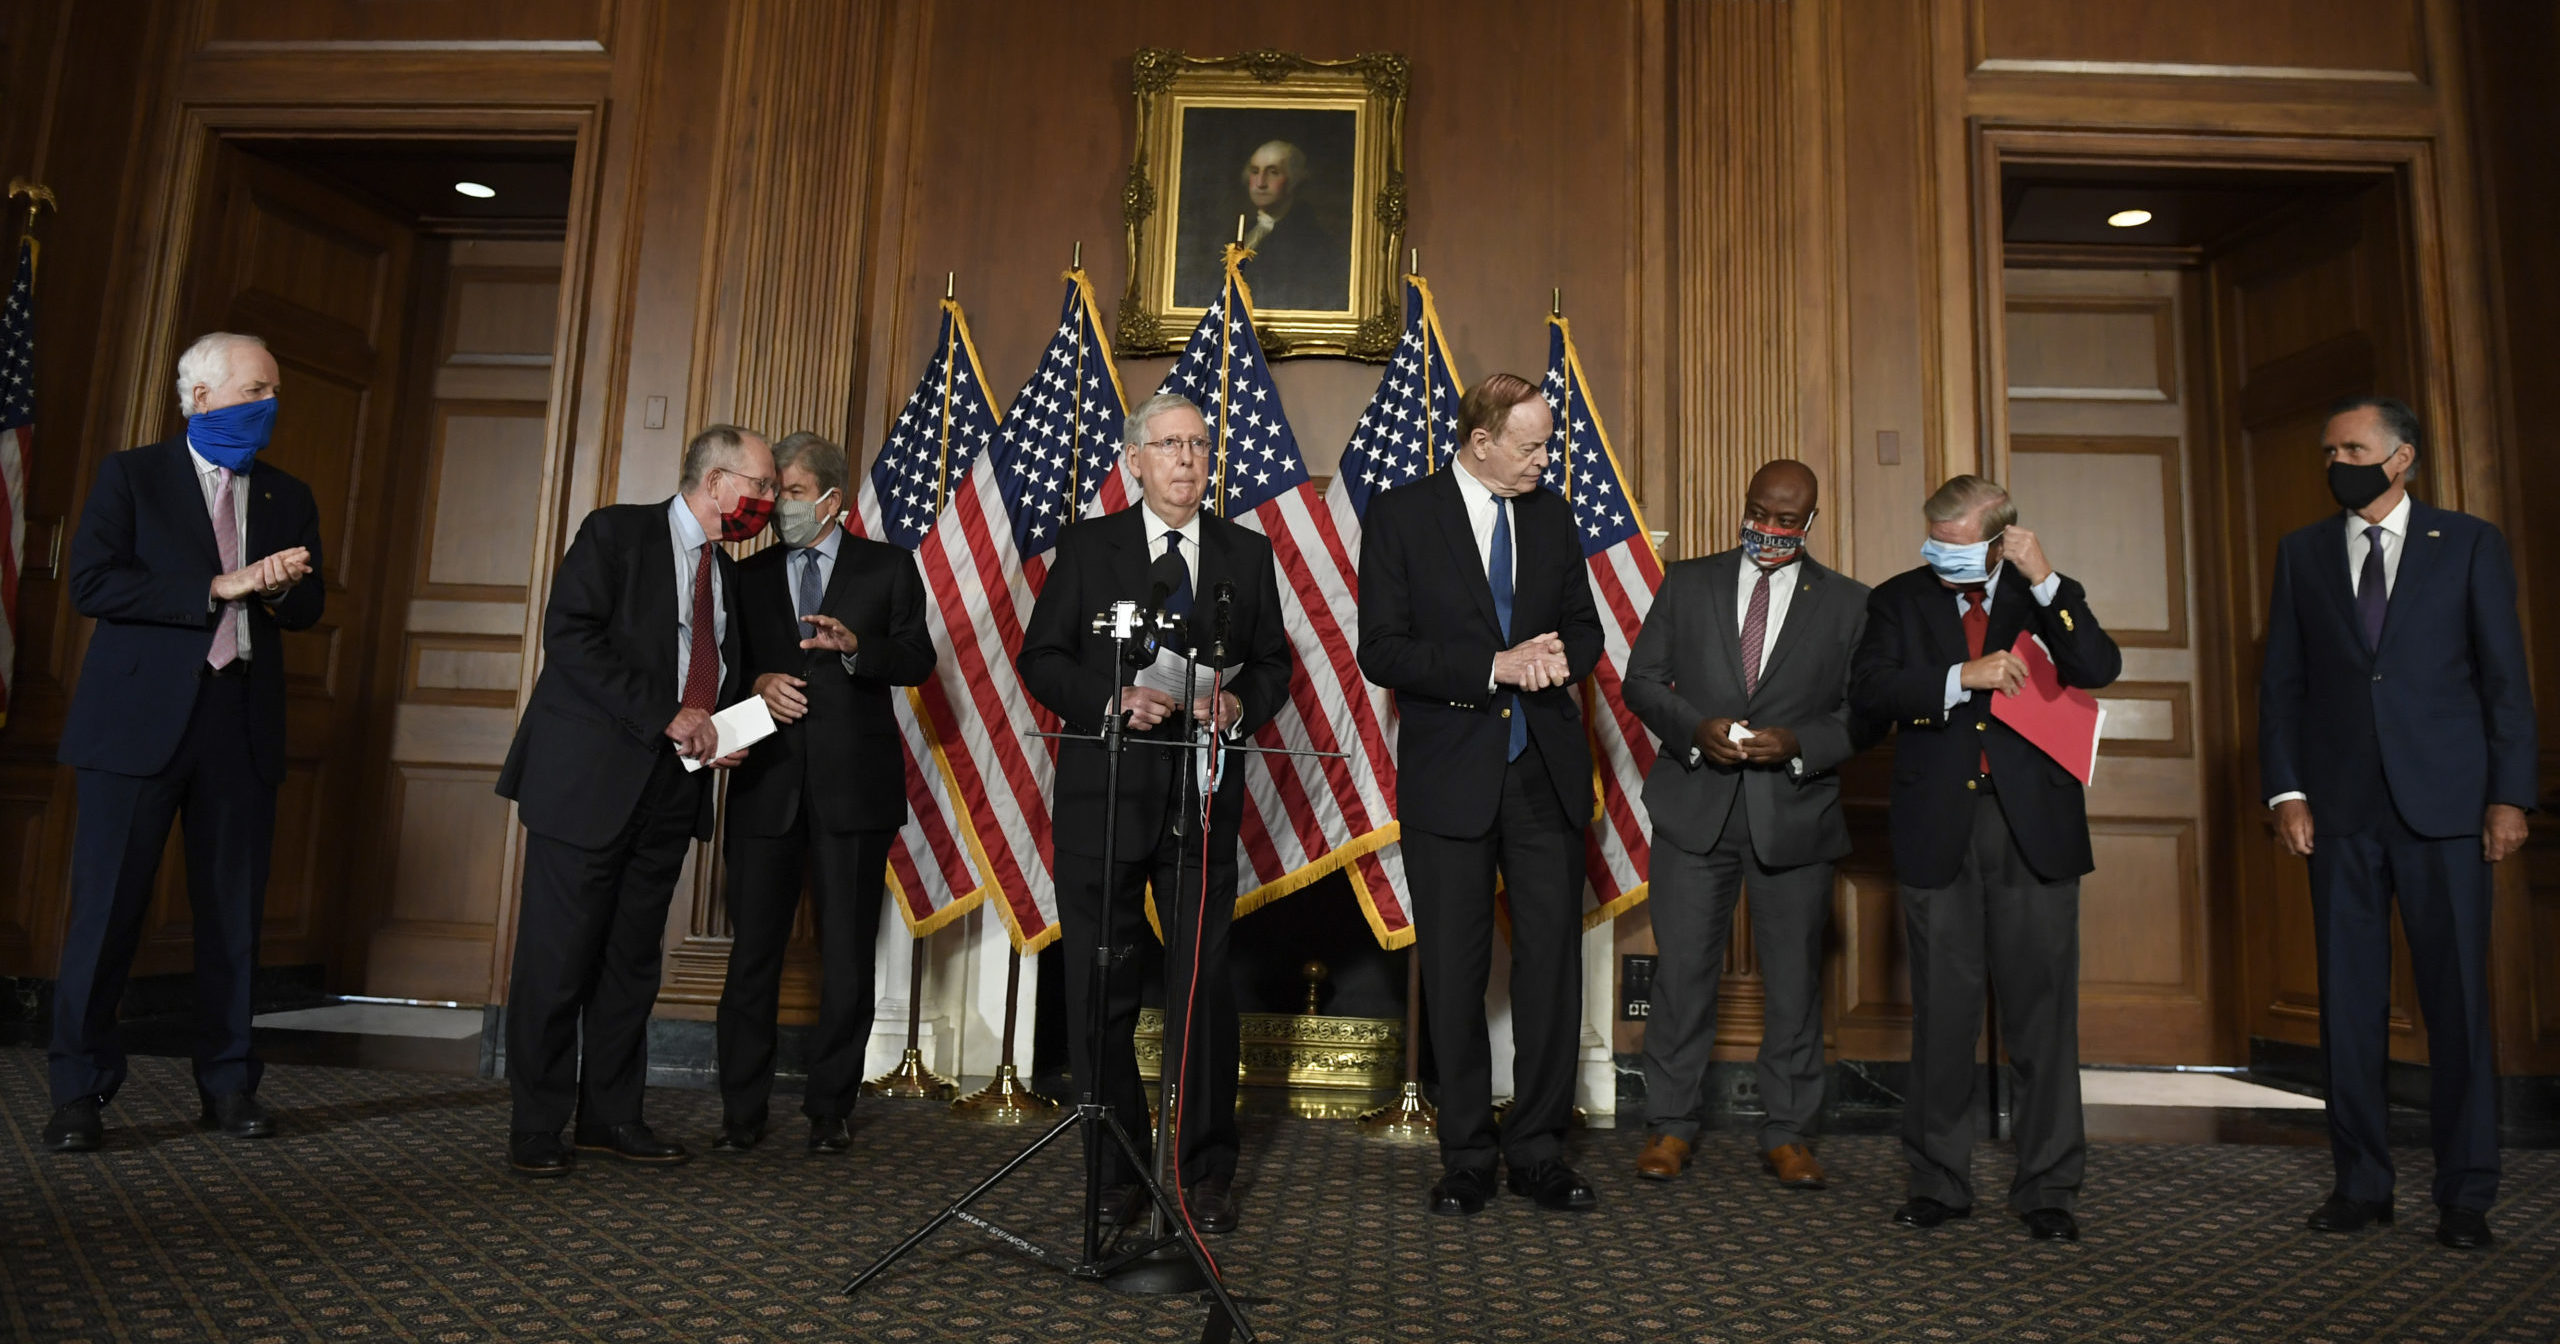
[1091,1119]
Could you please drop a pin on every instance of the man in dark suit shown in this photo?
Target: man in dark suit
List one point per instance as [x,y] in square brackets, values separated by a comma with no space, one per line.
[2396,745]
[1990,840]
[193,558]
[1742,671]
[639,649]
[1165,543]
[1494,773]
[833,625]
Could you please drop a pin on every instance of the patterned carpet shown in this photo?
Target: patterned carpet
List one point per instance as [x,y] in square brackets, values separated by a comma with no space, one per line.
[384,1211]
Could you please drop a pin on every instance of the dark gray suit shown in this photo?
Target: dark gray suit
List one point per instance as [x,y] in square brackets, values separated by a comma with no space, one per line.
[1720,828]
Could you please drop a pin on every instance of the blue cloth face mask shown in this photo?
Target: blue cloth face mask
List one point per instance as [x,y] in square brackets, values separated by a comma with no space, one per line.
[231,437]
[1958,564]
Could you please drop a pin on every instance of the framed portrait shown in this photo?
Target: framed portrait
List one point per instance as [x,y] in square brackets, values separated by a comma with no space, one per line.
[1304,162]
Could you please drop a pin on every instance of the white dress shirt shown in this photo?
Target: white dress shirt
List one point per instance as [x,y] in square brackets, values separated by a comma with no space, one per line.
[1483,506]
[2044,594]
[1189,550]
[2395,538]
[209,480]
[686,531]
[1782,592]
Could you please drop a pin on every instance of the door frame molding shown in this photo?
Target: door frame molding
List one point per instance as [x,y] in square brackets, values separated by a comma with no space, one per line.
[2452,349]
[153,311]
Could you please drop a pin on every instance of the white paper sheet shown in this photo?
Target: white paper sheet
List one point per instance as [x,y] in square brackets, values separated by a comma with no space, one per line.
[741,725]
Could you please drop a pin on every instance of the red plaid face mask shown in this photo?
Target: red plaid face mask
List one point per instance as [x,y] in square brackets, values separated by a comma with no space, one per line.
[745,518]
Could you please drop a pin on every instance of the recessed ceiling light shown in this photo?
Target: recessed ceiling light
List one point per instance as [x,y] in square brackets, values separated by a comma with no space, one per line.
[478,192]
[2122,219]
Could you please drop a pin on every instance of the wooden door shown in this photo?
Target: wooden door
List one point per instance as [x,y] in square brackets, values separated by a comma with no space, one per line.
[2309,310]
[452,643]
[324,279]
[2098,464]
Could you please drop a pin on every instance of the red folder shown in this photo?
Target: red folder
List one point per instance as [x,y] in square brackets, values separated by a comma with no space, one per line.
[2062,721]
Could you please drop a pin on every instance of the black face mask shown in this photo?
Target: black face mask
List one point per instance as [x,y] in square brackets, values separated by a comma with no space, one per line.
[2355,486]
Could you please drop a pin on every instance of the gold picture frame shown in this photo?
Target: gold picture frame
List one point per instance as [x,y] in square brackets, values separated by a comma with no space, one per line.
[1305,156]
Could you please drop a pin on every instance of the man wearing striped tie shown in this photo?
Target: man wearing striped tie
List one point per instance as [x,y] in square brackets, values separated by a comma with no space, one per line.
[192,556]
[1743,794]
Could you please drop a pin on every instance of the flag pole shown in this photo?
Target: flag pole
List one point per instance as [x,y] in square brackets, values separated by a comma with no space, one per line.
[1555,314]
[1226,363]
[1408,1117]
[1075,403]
[1004,1100]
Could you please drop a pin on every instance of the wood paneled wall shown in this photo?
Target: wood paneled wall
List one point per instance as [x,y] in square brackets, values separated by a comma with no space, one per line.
[1768,219]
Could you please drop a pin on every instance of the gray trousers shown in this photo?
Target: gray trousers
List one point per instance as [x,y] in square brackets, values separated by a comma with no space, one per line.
[2000,917]
[1693,898]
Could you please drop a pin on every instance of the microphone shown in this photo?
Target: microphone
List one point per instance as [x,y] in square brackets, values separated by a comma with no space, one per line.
[1165,575]
[1222,623]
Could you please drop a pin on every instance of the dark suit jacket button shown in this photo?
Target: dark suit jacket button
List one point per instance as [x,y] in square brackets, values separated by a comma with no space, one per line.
[1506,709]
[2377,676]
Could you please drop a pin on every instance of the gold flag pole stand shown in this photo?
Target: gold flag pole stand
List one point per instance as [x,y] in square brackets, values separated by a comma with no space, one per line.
[1006,1101]
[1408,1118]
[911,1080]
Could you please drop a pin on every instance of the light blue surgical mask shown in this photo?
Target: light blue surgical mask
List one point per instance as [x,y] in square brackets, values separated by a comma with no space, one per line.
[1958,564]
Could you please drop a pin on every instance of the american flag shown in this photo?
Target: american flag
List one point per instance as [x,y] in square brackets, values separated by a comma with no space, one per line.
[1411,425]
[937,869]
[1306,816]
[985,565]
[17,431]
[1624,574]
[1407,432]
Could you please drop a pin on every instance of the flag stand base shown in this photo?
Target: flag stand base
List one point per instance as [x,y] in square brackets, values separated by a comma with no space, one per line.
[1408,1118]
[1005,1101]
[911,1081]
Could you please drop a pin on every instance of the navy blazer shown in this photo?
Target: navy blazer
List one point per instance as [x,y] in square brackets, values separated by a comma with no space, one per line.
[142,566]
[1914,635]
[2440,717]
[1428,633]
[1069,670]
[597,721]
[842,760]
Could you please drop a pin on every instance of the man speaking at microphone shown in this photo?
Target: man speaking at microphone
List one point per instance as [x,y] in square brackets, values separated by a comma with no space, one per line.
[1218,576]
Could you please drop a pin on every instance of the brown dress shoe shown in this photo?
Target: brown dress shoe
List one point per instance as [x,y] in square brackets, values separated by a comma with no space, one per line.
[1663,1157]
[1794,1167]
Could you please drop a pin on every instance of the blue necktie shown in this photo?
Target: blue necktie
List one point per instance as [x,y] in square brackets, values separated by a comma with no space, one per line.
[2373,594]
[1178,602]
[810,589]
[1498,573]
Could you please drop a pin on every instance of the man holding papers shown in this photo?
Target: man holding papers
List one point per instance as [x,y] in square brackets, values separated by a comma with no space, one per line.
[1990,839]
[638,652]
[832,626]
[1170,553]
[2396,745]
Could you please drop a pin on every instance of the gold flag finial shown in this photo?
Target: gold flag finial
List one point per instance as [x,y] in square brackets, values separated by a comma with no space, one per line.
[37,196]
[1555,303]
[1413,260]
[1078,263]
[950,283]
[1239,228]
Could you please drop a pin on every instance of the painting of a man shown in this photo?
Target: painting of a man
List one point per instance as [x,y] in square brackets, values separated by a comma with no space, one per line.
[1294,199]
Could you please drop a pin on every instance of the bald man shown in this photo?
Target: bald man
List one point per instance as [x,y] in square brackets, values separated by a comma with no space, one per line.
[1742,671]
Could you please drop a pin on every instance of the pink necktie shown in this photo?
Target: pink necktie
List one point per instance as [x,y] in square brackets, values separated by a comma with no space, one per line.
[1755,632]
[226,541]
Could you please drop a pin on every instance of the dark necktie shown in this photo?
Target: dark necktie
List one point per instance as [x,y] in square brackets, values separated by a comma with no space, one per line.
[1177,602]
[702,656]
[1497,572]
[1977,628]
[810,590]
[2373,592]
[1755,632]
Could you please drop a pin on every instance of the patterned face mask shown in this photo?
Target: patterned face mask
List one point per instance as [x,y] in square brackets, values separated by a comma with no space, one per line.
[1770,547]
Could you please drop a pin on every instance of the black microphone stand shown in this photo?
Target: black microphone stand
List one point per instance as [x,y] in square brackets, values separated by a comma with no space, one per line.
[1091,1118]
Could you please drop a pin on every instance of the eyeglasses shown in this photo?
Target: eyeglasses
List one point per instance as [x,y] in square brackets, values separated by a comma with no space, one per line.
[1197,447]
[763,487]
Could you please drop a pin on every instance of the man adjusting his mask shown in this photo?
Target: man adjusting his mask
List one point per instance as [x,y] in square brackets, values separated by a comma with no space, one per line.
[2396,745]
[1990,840]
[1742,671]
[640,648]
[193,557]
[833,625]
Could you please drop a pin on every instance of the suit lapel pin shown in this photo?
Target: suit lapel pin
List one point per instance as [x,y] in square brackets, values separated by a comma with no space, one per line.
[2066,621]
[2433,533]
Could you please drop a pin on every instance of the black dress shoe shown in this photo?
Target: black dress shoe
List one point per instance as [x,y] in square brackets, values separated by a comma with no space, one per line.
[736,1139]
[633,1143]
[2051,1224]
[1462,1192]
[1924,1212]
[539,1154]
[2338,1213]
[239,1115]
[1555,1187]
[1212,1202]
[829,1134]
[2463,1229]
[75,1128]
[1124,1204]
